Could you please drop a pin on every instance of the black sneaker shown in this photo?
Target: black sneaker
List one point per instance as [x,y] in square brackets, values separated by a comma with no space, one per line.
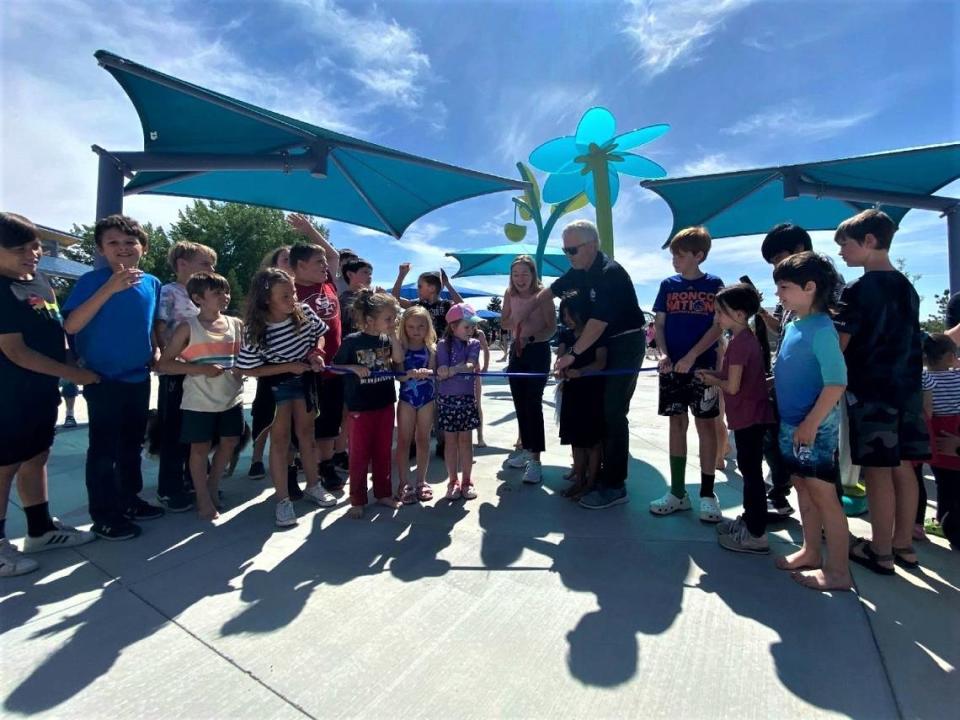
[142,510]
[293,487]
[329,477]
[122,530]
[341,460]
[70,422]
[779,507]
[175,503]
[257,470]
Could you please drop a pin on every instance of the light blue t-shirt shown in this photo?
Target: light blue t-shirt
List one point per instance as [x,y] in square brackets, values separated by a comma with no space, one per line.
[117,342]
[809,358]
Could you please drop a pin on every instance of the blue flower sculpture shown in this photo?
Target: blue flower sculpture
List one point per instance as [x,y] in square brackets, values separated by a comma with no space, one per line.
[591,162]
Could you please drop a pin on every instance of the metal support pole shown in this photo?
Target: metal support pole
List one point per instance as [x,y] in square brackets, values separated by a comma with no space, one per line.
[953,248]
[109,187]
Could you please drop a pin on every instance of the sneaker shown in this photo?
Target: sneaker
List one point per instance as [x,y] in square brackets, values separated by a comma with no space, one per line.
[293,487]
[175,503]
[123,530]
[285,515]
[727,526]
[329,476]
[604,498]
[257,470]
[341,460]
[533,473]
[468,491]
[13,562]
[141,510]
[710,509]
[320,496]
[518,459]
[779,507]
[670,503]
[453,491]
[742,541]
[61,536]
[70,422]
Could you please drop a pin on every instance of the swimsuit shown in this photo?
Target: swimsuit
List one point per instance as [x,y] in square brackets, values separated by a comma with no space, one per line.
[417,393]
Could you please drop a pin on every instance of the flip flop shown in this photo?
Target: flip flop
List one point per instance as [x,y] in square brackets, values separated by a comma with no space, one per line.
[869,559]
[898,558]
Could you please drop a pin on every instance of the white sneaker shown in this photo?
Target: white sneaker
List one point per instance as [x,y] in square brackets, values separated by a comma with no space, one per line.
[710,509]
[61,536]
[320,496]
[669,503]
[727,526]
[740,540]
[468,491]
[533,473]
[13,562]
[285,515]
[518,459]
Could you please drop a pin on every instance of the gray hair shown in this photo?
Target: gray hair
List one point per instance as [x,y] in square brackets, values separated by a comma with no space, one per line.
[586,229]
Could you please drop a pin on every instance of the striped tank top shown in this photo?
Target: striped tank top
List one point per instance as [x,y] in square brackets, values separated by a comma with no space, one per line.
[212,394]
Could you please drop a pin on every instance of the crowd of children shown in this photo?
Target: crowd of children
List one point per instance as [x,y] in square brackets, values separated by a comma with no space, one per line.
[328,352]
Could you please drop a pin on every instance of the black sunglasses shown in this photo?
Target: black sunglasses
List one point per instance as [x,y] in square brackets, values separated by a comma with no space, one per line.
[576,248]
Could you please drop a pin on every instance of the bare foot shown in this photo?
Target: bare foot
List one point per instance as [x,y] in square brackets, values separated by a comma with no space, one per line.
[481,443]
[390,502]
[355,512]
[820,580]
[800,560]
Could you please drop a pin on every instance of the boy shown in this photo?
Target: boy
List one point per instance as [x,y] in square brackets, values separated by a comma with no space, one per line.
[878,320]
[176,307]
[687,335]
[809,377]
[315,286]
[212,404]
[429,287]
[359,274]
[110,314]
[32,358]
[346,255]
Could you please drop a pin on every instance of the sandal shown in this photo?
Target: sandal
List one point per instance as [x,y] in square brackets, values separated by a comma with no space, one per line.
[869,559]
[424,493]
[408,495]
[898,558]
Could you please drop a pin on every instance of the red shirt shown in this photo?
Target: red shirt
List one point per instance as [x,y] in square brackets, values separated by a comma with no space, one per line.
[322,299]
[750,406]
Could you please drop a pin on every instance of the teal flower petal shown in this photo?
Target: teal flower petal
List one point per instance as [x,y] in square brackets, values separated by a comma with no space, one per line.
[555,155]
[635,138]
[563,187]
[596,126]
[638,167]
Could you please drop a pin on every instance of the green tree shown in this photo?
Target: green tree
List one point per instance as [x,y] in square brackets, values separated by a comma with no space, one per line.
[937,321]
[495,304]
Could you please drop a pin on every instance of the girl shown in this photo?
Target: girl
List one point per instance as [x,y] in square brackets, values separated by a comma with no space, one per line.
[742,378]
[941,405]
[480,335]
[416,406]
[281,343]
[530,353]
[581,411]
[370,397]
[457,403]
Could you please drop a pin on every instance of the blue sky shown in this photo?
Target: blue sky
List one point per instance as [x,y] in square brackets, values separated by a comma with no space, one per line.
[743,83]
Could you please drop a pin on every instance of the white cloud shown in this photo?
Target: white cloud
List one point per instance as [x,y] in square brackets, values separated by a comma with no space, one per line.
[540,116]
[793,119]
[711,164]
[674,32]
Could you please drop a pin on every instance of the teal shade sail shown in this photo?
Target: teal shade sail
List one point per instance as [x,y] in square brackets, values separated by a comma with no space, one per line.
[496,260]
[354,181]
[750,202]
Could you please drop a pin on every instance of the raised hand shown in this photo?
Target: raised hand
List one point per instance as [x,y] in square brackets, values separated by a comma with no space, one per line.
[123,279]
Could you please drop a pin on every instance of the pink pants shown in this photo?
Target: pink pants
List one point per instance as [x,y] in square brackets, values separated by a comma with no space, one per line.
[371,437]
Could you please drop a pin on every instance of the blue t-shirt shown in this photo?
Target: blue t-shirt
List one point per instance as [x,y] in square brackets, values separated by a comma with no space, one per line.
[809,358]
[116,343]
[689,307]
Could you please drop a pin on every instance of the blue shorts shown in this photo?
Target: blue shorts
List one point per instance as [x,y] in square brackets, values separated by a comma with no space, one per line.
[288,390]
[822,462]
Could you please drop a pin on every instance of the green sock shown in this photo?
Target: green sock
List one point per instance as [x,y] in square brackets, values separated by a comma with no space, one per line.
[678,467]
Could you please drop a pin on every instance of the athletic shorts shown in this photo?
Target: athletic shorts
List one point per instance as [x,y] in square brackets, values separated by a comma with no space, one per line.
[682,391]
[330,390]
[200,427]
[26,430]
[883,435]
[822,460]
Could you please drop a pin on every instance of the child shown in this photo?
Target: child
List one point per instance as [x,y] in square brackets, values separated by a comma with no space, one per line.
[810,377]
[212,404]
[481,336]
[311,265]
[687,336]
[416,407]
[358,274]
[743,380]
[581,411]
[111,313]
[346,255]
[457,403]
[429,287]
[878,320]
[282,341]
[941,404]
[176,307]
[32,358]
[370,397]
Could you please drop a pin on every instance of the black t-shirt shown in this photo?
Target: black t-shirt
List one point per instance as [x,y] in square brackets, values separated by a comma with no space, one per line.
[373,352]
[881,313]
[567,338]
[611,292]
[438,313]
[29,307]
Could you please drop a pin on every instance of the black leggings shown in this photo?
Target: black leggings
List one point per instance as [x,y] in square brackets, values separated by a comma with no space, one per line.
[527,393]
[749,442]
